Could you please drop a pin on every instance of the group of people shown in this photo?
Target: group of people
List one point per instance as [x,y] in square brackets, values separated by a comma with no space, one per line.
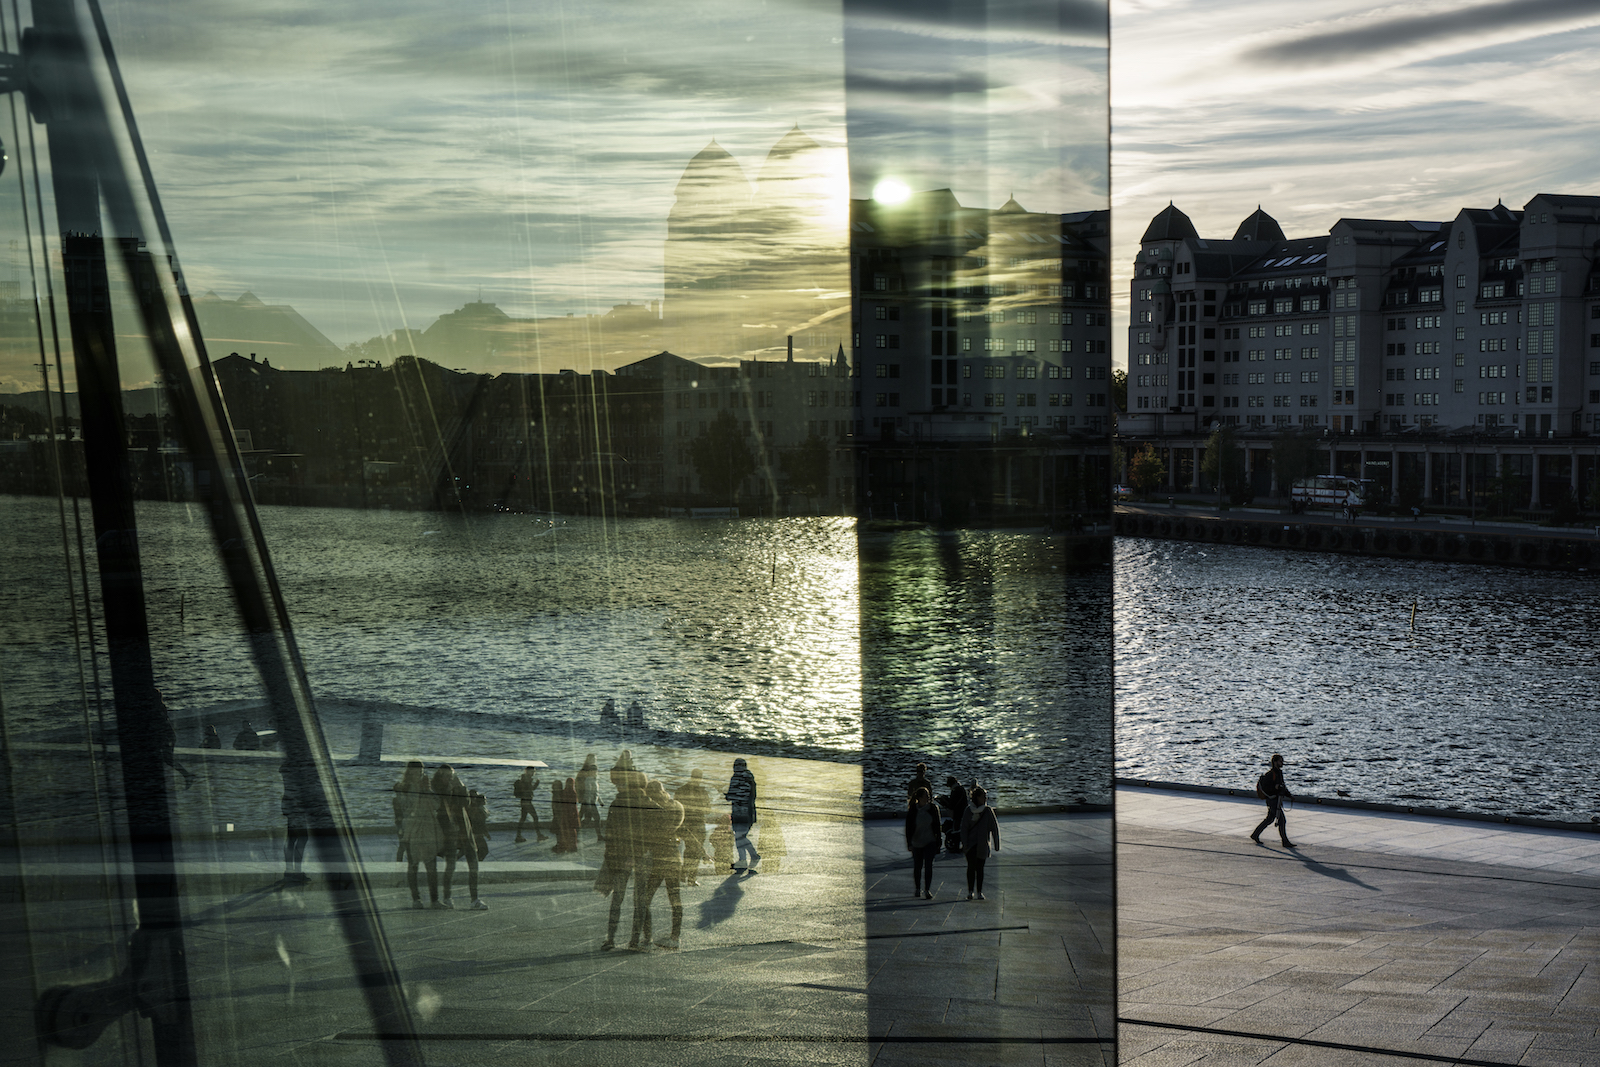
[439,817]
[655,840]
[969,828]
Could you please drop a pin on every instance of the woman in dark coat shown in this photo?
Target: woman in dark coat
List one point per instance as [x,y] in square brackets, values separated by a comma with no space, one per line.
[978,827]
[922,841]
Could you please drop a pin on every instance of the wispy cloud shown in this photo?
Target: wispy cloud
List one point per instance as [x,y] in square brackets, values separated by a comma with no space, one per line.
[1429,119]
[1443,28]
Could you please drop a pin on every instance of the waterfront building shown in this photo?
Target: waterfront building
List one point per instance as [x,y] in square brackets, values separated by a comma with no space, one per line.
[1483,328]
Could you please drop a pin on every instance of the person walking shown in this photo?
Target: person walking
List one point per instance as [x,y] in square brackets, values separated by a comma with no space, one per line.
[922,841]
[696,801]
[741,794]
[523,789]
[978,827]
[1271,788]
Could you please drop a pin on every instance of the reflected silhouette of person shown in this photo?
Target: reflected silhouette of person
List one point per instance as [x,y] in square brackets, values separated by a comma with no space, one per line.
[589,796]
[297,813]
[662,820]
[169,737]
[978,827]
[523,789]
[410,780]
[635,716]
[608,713]
[247,740]
[696,801]
[421,837]
[741,794]
[456,830]
[566,816]
[624,845]
[211,739]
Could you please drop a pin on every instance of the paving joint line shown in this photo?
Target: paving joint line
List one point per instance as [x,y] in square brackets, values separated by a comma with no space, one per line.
[1279,857]
[1431,1057]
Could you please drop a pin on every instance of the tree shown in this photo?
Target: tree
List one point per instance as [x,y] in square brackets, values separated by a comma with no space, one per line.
[1119,389]
[1223,464]
[722,458]
[1294,456]
[1146,472]
[806,466]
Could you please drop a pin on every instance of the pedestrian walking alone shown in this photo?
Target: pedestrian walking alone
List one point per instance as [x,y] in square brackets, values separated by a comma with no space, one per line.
[1271,788]
[922,841]
[978,828]
[741,796]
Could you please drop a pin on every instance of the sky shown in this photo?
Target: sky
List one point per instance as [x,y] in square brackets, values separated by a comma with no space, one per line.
[375,167]
[1324,109]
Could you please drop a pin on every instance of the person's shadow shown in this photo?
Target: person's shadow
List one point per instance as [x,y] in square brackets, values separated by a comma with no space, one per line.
[722,903]
[1336,873]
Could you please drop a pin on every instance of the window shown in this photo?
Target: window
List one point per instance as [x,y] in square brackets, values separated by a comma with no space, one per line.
[1311,353]
[1028,316]
[1283,305]
[1258,307]
[1311,327]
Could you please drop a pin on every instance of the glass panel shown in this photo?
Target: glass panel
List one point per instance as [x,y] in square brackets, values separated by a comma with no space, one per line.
[609,434]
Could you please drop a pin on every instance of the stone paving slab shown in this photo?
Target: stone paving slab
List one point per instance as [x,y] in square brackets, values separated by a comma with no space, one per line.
[1441,941]
[825,959]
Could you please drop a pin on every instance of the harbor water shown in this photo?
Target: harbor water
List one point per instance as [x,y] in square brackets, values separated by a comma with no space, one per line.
[1487,702]
[979,652]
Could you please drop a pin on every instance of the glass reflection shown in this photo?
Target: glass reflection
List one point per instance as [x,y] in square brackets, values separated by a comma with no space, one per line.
[647,499]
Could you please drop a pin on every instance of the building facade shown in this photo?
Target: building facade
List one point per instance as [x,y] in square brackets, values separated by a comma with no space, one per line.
[1488,321]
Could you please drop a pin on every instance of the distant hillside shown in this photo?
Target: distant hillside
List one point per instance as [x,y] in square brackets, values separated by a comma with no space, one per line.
[274,332]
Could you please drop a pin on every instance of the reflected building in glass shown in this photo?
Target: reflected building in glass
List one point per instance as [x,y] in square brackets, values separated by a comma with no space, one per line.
[388,676]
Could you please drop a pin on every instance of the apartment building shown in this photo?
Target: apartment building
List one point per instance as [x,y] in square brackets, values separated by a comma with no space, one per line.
[1487,322]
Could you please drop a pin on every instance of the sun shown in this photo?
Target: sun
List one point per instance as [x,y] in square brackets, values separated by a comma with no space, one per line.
[891,191]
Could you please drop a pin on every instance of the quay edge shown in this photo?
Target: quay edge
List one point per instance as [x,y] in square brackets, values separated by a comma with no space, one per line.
[1558,551]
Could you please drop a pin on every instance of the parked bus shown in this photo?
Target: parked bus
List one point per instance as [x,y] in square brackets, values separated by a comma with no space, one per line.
[1328,491]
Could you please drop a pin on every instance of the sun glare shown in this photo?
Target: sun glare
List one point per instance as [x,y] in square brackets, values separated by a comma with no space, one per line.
[891,191]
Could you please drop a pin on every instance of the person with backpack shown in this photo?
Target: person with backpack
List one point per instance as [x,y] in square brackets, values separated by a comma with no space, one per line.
[1271,788]
[523,789]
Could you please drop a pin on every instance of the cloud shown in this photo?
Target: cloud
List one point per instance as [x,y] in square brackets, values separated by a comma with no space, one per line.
[1364,36]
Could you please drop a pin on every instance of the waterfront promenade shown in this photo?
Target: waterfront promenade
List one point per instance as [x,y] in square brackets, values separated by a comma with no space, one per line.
[1383,939]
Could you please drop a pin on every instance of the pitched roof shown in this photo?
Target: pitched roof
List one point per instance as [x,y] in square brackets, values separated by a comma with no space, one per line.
[1170,224]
